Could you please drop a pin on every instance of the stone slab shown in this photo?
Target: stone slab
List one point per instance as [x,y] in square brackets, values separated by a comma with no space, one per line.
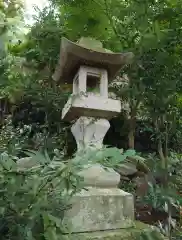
[99,209]
[119,234]
[90,105]
[95,175]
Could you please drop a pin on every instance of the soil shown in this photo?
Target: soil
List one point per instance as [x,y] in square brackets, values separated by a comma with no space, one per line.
[148,215]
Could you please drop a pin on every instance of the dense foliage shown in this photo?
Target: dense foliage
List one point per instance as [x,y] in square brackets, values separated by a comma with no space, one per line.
[34,198]
[150,29]
[31,103]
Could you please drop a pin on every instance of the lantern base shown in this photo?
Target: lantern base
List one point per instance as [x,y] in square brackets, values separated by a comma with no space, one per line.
[137,230]
[90,105]
[98,209]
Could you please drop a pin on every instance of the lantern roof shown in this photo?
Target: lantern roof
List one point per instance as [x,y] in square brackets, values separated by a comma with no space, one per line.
[88,52]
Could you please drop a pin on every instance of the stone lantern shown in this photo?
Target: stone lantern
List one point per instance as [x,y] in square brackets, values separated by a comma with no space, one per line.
[90,67]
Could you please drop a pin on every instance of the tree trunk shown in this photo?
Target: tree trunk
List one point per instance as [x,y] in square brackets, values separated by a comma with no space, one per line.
[131,137]
[132,126]
[162,154]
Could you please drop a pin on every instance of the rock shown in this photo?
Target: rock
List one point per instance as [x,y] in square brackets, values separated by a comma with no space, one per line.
[135,166]
[140,163]
[27,162]
[137,158]
[127,169]
[124,178]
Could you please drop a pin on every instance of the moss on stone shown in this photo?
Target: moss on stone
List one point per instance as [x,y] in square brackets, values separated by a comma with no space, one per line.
[93,44]
[125,234]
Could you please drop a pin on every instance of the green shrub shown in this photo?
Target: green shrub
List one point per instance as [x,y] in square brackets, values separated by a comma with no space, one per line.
[33,201]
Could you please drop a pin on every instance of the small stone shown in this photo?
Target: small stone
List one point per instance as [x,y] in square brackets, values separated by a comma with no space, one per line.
[27,162]
[127,169]
[96,176]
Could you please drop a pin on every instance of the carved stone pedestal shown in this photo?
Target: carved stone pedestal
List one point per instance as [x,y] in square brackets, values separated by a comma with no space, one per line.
[90,132]
[101,209]
[102,206]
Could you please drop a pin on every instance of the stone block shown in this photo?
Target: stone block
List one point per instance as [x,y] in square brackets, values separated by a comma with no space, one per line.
[90,105]
[100,209]
[95,175]
[133,233]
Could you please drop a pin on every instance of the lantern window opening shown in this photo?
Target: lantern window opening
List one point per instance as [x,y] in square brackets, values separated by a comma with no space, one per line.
[93,83]
[91,80]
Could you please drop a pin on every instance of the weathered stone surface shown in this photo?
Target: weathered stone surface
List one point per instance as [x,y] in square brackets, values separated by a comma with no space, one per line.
[91,80]
[90,53]
[90,105]
[140,163]
[127,169]
[89,66]
[119,234]
[27,162]
[137,158]
[93,44]
[101,209]
[90,132]
[98,176]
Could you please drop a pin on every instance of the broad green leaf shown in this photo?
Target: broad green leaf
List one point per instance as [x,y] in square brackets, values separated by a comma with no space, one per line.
[7,163]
